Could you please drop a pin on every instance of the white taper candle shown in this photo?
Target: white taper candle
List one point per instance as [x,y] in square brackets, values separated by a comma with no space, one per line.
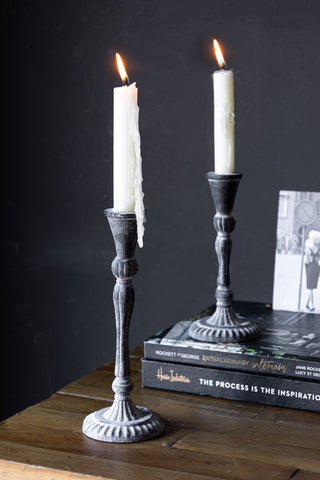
[127,161]
[224,119]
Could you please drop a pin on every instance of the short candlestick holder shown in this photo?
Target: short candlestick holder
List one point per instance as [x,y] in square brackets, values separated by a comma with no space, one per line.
[224,325]
[123,422]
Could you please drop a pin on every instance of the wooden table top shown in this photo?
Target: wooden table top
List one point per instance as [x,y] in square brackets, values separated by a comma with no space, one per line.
[205,438]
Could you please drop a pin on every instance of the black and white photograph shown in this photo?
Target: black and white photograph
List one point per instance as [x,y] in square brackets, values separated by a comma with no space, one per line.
[297,256]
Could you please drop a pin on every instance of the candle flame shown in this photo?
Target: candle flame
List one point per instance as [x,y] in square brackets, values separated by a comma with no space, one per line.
[121,68]
[218,53]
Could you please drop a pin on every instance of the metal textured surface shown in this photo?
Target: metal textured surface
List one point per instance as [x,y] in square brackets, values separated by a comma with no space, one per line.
[123,422]
[224,325]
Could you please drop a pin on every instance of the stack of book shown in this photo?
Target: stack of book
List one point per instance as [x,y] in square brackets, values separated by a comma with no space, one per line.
[281,368]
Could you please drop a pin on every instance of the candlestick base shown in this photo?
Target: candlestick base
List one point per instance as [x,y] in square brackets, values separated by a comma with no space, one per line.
[123,422]
[224,326]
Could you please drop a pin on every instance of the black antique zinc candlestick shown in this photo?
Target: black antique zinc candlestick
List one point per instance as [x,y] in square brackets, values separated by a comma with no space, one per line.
[224,325]
[123,422]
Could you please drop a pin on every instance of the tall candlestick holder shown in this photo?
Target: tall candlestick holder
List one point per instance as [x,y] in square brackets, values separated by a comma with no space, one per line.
[224,325]
[123,422]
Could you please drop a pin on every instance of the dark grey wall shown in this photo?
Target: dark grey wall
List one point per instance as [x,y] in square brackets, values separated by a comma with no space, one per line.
[55,244]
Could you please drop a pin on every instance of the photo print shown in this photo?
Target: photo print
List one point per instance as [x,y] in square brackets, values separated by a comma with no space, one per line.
[297,258]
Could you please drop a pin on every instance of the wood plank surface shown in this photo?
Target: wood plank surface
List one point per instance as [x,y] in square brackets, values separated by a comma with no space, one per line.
[204,438]
[114,464]
[249,445]
[13,470]
[303,475]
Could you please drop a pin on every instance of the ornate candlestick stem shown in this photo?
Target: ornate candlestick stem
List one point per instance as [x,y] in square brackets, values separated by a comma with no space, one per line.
[123,422]
[224,325]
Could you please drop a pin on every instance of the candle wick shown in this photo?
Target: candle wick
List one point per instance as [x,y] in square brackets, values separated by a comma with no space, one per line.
[224,66]
[126,82]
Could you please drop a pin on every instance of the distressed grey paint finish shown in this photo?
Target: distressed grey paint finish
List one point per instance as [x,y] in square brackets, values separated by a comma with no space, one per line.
[123,422]
[224,325]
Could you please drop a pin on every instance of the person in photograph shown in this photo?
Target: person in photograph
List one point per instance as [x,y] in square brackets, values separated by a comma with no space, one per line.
[312,265]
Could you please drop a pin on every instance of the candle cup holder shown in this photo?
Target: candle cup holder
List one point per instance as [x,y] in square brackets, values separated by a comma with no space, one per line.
[224,325]
[123,422]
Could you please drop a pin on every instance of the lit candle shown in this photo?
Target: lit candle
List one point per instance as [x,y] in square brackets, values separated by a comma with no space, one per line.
[223,116]
[127,161]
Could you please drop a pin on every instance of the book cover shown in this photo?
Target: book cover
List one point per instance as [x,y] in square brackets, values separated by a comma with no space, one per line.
[232,385]
[289,345]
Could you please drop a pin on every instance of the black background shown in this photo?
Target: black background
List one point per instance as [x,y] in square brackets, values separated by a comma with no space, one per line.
[56,247]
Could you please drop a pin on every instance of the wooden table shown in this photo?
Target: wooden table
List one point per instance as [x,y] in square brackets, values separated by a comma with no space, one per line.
[205,438]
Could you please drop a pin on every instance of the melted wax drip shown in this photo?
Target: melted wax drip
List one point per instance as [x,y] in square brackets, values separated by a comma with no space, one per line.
[137,160]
